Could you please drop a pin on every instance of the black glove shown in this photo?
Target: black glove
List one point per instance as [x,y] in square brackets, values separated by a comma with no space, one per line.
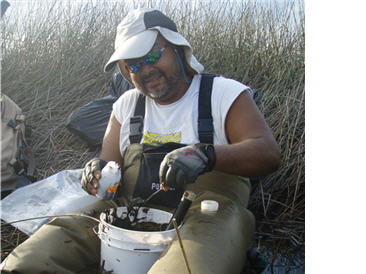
[182,166]
[89,169]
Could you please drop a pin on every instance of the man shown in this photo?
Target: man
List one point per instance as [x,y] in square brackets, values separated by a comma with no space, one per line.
[156,140]
[159,62]
[245,145]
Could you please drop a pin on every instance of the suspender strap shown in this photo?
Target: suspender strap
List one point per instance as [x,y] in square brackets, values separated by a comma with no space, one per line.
[205,121]
[137,121]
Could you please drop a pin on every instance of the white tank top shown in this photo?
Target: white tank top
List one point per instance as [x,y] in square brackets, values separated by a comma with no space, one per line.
[177,122]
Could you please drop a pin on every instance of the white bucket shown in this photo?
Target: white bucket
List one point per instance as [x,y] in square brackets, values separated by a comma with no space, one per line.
[129,251]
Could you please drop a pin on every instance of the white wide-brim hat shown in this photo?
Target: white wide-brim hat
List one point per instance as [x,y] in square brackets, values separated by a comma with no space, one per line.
[136,35]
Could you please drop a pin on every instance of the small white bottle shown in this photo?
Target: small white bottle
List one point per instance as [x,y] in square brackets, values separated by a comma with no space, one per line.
[111,176]
[209,206]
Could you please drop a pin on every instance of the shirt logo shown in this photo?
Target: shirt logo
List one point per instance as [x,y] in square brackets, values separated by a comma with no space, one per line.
[157,139]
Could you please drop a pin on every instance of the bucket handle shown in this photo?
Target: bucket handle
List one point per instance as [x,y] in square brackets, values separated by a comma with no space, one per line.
[98,232]
[94,230]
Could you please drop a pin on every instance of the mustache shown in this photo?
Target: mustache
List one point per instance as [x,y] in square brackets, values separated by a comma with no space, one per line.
[151,76]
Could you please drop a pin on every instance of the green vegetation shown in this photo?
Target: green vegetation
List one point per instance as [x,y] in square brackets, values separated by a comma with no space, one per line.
[52,62]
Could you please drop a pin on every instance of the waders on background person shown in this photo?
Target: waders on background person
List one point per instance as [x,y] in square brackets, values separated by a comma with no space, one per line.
[163,140]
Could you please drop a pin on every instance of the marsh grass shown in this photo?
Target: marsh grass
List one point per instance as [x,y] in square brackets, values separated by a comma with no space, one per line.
[53,55]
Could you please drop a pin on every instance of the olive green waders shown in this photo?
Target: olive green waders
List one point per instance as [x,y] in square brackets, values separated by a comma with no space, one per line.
[213,243]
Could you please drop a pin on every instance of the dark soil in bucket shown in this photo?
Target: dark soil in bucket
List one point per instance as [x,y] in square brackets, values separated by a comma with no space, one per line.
[139,226]
[131,222]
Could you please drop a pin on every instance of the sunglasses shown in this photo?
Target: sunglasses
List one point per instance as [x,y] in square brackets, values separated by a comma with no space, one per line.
[150,58]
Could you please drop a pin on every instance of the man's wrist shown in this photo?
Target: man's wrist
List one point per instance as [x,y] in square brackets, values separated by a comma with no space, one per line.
[209,151]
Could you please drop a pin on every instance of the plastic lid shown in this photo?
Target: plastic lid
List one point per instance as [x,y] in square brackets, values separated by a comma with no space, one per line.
[209,206]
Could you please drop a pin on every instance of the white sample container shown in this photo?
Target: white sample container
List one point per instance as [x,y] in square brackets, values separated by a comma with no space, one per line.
[129,251]
[108,183]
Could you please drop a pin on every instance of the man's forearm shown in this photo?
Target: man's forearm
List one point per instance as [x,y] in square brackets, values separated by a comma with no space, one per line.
[250,158]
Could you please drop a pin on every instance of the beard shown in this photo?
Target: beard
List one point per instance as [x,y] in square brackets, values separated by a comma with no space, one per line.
[165,90]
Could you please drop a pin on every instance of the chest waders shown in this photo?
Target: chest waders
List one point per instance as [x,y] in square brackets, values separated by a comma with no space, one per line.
[215,243]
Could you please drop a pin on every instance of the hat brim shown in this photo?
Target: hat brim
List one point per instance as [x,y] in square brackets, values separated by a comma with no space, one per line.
[142,43]
[135,47]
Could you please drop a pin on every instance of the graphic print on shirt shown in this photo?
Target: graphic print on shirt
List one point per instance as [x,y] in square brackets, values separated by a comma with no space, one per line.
[157,139]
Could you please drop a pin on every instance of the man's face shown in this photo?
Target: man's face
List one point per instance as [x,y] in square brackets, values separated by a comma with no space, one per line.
[163,80]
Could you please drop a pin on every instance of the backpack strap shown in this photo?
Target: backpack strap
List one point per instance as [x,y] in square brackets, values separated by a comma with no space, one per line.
[137,121]
[23,161]
[205,121]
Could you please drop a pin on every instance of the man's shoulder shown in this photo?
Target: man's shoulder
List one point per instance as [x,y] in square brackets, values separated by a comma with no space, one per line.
[224,79]
[127,100]
[129,95]
[220,80]
[223,83]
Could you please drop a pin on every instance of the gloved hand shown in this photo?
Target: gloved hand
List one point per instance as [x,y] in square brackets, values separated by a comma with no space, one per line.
[91,175]
[182,166]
